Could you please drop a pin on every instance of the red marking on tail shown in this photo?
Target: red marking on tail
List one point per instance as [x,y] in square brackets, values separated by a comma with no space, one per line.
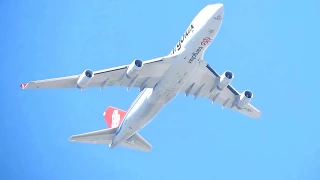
[114,116]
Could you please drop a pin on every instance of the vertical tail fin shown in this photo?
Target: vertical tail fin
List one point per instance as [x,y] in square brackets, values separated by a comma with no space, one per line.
[114,116]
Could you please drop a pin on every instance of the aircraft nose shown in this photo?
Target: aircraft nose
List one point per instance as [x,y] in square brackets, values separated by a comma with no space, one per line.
[215,10]
[218,11]
[220,8]
[216,7]
[219,5]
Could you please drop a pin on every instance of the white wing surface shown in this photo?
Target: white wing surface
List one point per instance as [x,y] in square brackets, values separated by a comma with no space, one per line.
[142,74]
[207,83]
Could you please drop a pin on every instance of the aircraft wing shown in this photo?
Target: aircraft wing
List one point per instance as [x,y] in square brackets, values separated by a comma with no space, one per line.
[207,83]
[147,76]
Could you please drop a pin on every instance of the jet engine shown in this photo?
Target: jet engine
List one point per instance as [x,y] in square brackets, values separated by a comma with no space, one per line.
[245,98]
[85,78]
[134,68]
[225,80]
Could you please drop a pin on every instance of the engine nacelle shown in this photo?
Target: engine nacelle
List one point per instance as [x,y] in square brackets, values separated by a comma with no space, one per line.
[225,80]
[85,78]
[134,68]
[245,98]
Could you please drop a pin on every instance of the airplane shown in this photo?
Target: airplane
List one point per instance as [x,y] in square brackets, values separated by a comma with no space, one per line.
[160,80]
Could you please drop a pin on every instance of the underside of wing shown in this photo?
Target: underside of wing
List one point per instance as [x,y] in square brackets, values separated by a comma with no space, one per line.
[207,83]
[137,74]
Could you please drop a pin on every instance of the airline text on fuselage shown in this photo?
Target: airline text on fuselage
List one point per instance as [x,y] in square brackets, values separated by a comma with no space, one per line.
[184,36]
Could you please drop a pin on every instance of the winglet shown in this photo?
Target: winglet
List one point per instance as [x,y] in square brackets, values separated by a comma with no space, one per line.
[23,86]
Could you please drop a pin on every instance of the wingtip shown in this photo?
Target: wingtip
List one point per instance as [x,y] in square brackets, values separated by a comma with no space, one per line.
[257,116]
[71,139]
[23,86]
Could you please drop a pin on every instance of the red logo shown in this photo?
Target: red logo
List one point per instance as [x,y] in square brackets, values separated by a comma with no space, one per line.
[206,41]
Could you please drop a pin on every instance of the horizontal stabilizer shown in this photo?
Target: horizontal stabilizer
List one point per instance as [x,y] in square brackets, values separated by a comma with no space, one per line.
[105,136]
[137,142]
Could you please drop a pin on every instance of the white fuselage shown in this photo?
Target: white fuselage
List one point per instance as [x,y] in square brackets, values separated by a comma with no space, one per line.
[189,50]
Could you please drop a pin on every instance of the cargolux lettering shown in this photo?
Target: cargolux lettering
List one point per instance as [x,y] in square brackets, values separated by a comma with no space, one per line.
[195,54]
[184,36]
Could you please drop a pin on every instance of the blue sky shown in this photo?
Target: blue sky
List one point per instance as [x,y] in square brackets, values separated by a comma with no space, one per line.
[271,46]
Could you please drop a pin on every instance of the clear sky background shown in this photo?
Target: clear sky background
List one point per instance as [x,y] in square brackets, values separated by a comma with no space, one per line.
[271,46]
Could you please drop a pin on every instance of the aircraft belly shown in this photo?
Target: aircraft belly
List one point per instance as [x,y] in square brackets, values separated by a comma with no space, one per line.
[138,116]
[144,111]
[173,81]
